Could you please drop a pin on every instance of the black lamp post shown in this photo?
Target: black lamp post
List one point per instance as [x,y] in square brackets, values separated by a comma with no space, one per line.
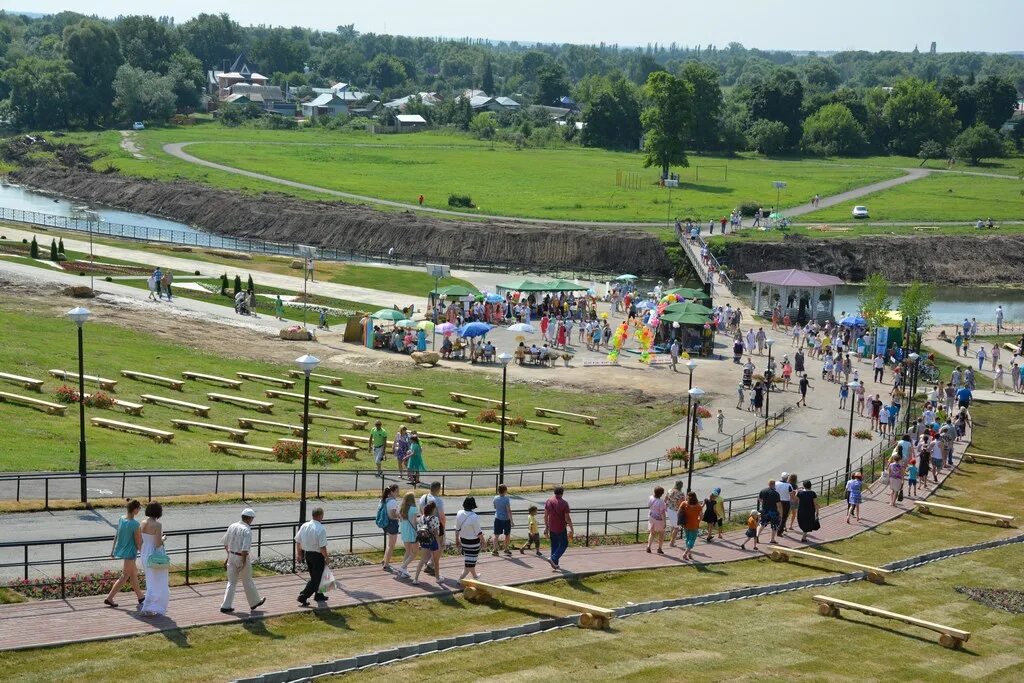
[78,316]
[690,365]
[694,395]
[768,376]
[308,363]
[504,359]
[854,385]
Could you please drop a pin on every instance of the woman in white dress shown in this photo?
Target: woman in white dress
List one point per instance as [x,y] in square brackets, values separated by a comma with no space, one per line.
[157,590]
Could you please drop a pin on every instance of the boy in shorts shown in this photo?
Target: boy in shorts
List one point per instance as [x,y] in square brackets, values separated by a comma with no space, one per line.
[534,531]
[751,533]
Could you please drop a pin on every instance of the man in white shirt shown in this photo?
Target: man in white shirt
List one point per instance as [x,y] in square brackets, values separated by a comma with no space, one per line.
[311,546]
[237,542]
[783,488]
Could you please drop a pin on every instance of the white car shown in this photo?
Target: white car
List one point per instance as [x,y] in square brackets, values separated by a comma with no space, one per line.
[138,125]
[860,212]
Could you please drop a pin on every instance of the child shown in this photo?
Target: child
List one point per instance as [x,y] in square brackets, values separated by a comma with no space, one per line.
[323,319]
[912,478]
[534,533]
[844,393]
[752,520]
[721,421]
[739,393]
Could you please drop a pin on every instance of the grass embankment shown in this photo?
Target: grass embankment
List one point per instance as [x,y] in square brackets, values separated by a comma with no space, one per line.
[720,641]
[32,344]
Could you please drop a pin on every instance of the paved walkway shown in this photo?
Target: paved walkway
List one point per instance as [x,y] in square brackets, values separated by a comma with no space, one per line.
[912,174]
[42,623]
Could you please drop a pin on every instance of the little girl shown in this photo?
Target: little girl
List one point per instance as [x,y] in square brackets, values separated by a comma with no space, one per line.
[912,478]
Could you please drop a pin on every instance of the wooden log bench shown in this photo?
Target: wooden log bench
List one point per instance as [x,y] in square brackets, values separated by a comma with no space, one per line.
[286,383]
[544,412]
[252,423]
[258,406]
[232,383]
[104,383]
[926,507]
[459,426]
[999,460]
[350,393]
[550,427]
[228,446]
[352,439]
[315,400]
[176,384]
[47,407]
[398,414]
[236,434]
[347,450]
[126,406]
[949,637]
[415,391]
[27,382]
[200,410]
[783,554]
[462,398]
[353,422]
[155,434]
[330,379]
[457,412]
[591,616]
[457,441]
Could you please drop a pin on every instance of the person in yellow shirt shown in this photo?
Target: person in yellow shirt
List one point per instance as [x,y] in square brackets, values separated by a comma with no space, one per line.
[751,530]
[534,531]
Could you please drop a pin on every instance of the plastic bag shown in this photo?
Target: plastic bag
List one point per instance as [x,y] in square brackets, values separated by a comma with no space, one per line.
[327,580]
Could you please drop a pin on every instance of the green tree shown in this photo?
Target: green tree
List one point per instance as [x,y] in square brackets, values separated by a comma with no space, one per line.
[238,284]
[831,131]
[915,306]
[914,112]
[147,43]
[94,52]
[143,95]
[60,246]
[930,150]
[976,143]
[484,125]
[279,49]
[187,73]
[875,301]
[767,137]
[611,114]
[779,98]
[551,84]
[224,284]
[40,92]
[962,97]
[821,74]
[996,99]
[666,121]
[33,248]
[487,82]
[707,105]
[53,250]
[386,71]
[212,38]
[250,286]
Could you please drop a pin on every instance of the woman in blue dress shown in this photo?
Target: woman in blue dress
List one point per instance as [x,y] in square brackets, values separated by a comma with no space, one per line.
[127,542]
[854,489]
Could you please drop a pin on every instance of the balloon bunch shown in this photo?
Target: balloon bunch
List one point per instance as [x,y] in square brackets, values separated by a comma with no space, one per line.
[618,337]
[645,336]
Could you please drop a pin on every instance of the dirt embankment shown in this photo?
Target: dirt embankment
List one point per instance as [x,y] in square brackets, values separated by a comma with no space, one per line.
[950,260]
[278,217]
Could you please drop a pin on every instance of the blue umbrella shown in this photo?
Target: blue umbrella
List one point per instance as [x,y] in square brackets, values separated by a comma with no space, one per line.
[474,330]
[644,305]
[852,321]
[493,299]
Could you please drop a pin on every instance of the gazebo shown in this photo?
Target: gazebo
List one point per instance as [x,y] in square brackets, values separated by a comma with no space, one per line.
[802,294]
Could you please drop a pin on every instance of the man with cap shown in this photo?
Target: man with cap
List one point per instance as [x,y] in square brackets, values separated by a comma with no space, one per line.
[237,542]
[378,445]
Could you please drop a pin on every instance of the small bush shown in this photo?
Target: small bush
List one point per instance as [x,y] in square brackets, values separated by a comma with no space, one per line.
[325,457]
[99,400]
[748,208]
[487,416]
[863,434]
[461,201]
[33,250]
[287,451]
[517,421]
[708,458]
[676,453]
[197,273]
[66,394]
[837,431]
[108,279]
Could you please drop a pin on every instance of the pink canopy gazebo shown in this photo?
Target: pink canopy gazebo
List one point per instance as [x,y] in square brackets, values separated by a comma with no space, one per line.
[802,294]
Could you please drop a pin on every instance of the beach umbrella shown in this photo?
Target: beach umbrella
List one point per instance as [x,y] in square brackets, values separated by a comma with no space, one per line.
[688,307]
[625,276]
[684,318]
[446,328]
[521,327]
[474,330]
[405,323]
[493,298]
[646,304]
[852,321]
[388,314]
[425,325]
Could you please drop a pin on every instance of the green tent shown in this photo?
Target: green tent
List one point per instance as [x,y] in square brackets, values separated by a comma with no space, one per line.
[688,308]
[684,318]
[689,293]
[564,286]
[526,286]
[454,291]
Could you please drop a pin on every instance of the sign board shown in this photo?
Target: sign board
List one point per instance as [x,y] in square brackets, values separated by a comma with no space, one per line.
[881,340]
[437,271]
[779,184]
[306,250]
[671,182]
[600,364]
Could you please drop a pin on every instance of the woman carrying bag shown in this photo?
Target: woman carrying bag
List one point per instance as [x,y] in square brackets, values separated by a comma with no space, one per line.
[469,536]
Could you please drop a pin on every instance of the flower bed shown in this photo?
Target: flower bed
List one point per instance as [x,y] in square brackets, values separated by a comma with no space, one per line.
[863,434]
[75,586]
[66,394]
[837,431]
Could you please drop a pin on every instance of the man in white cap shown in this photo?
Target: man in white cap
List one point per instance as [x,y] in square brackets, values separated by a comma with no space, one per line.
[237,542]
[784,489]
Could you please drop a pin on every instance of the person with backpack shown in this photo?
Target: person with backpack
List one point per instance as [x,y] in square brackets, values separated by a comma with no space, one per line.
[434,496]
[469,535]
[407,517]
[430,536]
[387,520]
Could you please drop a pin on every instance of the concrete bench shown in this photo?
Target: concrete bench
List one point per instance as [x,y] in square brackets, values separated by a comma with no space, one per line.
[27,382]
[926,506]
[949,637]
[459,426]
[351,439]
[353,422]
[550,427]
[156,434]
[229,446]
[200,410]
[457,412]
[46,406]
[401,414]
[544,412]
[591,616]
[252,423]
[258,406]
[458,441]
[236,434]
[175,384]
[350,393]
[415,391]
[347,451]
[126,406]
[461,398]
[315,400]
[975,457]
[104,383]
[232,383]
[330,379]
[286,383]
[782,554]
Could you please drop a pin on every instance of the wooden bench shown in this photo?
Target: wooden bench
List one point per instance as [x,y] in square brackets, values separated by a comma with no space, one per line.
[338,391]
[236,434]
[27,382]
[228,446]
[415,391]
[591,616]
[459,426]
[460,398]
[347,450]
[353,422]
[155,434]
[457,412]
[315,400]
[949,637]
[252,423]
[544,412]
[363,440]
[782,554]
[46,406]
[175,384]
[974,457]
[330,379]
[200,410]
[127,406]
[286,383]
[925,506]
[551,427]
[105,384]
[232,383]
[258,406]
[459,442]
[366,410]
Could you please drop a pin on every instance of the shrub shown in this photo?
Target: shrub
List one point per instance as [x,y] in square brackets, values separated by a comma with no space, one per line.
[53,250]
[250,286]
[708,458]
[676,453]
[749,207]
[66,394]
[517,421]
[864,434]
[224,284]
[238,284]
[287,451]
[487,416]
[109,279]
[99,400]
[324,457]
[461,201]
[197,273]
[837,431]
[33,250]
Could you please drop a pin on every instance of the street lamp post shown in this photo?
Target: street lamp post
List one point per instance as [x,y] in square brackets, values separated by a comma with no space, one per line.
[849,435]
[690,365]
[695,395]
[768,376]
[779,186]
[307,363]
[911,388]
[78,316]
[504,359]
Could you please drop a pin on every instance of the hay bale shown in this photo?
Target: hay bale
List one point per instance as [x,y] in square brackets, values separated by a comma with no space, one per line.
[425,357]
[80,292]
[297,264]
[179,247]
[300,334]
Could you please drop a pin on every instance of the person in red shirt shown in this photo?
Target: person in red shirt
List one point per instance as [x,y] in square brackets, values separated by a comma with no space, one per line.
[421,200]
[557,526]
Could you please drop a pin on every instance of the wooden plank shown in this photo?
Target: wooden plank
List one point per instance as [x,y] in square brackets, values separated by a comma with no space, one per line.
[286,383]
[175,384]
[157,434]
[355,423]
[543,412]
[315,400]
[233,383]
[27,382]
[227,446]
[458,426]
[366,410]
[458,412]
[46,406]
[458,441]
[200,410]
[258,406]
[459,398]
[926,505]
[251,422]
[104,383]
[236,434]
[330,379]
[362,440]
[348,450]
[598,617]
[973,457]
[551,427]
[415,391]
[874,574]
[351,393]
[954,636]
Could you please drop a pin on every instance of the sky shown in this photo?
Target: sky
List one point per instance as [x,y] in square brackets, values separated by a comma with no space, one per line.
[824,25]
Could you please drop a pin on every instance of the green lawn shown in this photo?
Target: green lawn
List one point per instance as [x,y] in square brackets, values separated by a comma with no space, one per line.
[32,344]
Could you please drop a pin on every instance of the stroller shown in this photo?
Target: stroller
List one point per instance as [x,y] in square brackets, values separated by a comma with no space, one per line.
[748,377]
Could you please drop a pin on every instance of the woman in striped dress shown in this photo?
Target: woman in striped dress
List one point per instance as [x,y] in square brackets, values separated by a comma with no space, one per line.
[469,535]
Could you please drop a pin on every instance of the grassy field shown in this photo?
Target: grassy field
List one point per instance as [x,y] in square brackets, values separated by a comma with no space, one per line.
[36,441]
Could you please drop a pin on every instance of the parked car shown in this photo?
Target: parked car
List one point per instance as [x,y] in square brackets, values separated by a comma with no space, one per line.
[138,125]
[860,212]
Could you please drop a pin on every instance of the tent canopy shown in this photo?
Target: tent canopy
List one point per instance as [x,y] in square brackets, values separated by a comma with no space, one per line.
[683,318]
[794,278]
[688,307]
[454,291]
[564,286]
[689,293]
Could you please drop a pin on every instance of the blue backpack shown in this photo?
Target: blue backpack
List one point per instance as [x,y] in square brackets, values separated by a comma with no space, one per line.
[382,516]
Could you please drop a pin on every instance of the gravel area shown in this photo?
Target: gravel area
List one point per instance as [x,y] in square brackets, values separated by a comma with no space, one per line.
[996,598]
